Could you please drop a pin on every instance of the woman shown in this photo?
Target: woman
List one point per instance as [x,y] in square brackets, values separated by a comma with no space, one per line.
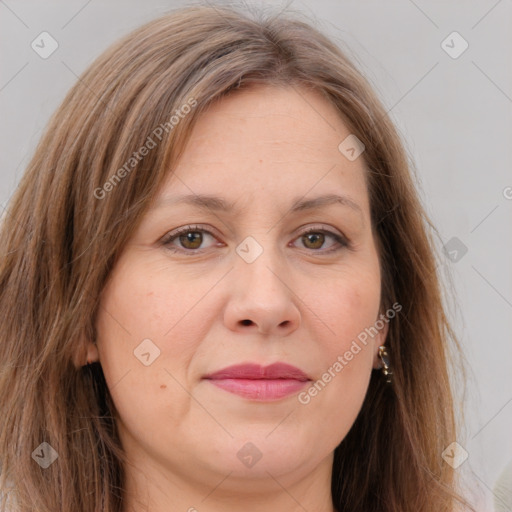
[217,287]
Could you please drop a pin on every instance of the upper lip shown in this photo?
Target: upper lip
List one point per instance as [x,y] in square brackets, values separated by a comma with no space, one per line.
[256,371]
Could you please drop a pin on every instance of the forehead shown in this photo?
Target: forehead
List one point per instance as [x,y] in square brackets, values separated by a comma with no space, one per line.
[271,143]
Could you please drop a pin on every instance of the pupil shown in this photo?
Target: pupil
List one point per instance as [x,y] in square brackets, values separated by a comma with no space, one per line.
[193,238]
[314,238]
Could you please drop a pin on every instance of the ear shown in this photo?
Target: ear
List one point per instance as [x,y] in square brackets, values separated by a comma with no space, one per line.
[378,340]
[86,354]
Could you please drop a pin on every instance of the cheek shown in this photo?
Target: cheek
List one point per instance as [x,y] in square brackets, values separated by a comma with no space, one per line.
[348,354]
[148,302]
[140,305]
[349,306]
[145,311]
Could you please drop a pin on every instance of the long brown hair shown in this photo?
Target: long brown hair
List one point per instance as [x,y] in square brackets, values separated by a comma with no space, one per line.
[75,208]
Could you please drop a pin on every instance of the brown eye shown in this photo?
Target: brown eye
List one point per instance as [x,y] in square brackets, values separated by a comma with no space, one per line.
[191,239]
[322,241]
[313,240]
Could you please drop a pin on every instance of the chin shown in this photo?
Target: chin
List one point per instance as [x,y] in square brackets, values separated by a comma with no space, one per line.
[257,454]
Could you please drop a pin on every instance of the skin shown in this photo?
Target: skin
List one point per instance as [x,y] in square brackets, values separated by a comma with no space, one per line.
[297,303]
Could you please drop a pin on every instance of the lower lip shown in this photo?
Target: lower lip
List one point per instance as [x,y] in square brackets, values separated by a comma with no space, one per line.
[260,389]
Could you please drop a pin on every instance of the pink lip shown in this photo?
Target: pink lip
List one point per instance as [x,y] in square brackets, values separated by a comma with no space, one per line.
[260,383]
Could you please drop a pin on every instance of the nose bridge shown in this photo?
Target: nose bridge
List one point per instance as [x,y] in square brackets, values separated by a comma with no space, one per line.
[263,277]
[260,296]
[260,267]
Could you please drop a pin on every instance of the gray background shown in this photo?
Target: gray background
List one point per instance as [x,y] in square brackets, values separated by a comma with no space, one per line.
[454,115]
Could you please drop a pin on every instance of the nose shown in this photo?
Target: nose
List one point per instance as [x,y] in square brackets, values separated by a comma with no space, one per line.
[261,298]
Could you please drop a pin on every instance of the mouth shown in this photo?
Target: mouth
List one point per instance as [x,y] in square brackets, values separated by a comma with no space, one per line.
[260,383]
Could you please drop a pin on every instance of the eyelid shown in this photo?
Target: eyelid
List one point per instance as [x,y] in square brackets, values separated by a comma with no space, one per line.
[322,228]
[339,237]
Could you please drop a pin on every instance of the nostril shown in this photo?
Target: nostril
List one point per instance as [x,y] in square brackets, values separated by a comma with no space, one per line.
[246,322]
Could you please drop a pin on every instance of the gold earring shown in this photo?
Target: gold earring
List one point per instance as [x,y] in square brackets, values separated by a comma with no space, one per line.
[385,367]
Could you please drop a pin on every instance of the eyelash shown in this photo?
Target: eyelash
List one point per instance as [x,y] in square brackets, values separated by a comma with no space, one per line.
[170,237]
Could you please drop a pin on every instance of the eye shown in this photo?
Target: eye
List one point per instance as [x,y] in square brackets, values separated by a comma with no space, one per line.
[187,239]
[315,238]
[190,240]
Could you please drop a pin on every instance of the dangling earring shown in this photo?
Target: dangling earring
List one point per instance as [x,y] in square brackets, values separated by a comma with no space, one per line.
[385,367]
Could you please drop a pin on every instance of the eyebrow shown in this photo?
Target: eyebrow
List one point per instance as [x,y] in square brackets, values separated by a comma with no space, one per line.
[215,203]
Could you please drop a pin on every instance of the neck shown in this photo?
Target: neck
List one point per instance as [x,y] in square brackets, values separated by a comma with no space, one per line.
[159,489]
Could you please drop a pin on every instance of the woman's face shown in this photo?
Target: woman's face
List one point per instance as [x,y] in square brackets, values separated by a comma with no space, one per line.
[244,284]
